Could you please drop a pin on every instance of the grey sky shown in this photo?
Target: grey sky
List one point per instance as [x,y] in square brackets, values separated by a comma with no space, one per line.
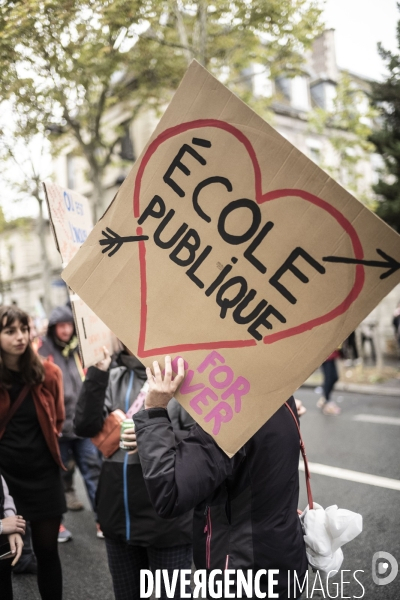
[359,26]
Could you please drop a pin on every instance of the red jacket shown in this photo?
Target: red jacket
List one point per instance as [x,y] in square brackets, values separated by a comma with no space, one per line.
[49,403]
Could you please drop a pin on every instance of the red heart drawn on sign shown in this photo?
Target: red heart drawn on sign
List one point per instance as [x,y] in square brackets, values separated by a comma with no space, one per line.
[260,199]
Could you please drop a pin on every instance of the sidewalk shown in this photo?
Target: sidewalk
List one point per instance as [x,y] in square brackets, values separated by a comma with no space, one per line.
[364,379]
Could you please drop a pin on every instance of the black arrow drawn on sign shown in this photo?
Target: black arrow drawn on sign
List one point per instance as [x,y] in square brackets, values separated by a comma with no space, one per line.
[113,242]
[389,263]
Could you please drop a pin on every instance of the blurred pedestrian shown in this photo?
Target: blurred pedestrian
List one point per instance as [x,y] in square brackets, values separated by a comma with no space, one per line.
[368,328]
[245,507]
[136,537]
[396,326]
[31,417]
[60,345]
[350,350]
[12,526]
[330,372]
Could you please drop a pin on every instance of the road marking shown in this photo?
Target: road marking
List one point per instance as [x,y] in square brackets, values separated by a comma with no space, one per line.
[357,476]
[377,419]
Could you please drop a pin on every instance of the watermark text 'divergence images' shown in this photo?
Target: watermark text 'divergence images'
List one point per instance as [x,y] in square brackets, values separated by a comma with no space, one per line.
[245,584]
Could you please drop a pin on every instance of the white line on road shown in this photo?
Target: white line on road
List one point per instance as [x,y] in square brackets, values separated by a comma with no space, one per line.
[377,419]
[338,473]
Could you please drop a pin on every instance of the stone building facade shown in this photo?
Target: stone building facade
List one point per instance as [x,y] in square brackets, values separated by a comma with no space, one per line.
[21,269]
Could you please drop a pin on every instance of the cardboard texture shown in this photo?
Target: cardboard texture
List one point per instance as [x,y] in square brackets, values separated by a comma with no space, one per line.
[71,222]
[220,247]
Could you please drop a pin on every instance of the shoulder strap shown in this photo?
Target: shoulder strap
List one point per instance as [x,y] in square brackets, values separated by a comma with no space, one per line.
[1,498]
[303,452]
[13,408]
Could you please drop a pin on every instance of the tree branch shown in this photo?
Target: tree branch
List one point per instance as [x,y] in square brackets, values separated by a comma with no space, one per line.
[100,110]
[182,32]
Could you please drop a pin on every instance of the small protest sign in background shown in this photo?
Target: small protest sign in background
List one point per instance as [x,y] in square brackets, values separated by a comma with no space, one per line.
[71,222]
[230,248]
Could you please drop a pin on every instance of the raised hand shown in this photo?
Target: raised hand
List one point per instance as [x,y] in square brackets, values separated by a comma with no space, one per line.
[104,364]
[162,389]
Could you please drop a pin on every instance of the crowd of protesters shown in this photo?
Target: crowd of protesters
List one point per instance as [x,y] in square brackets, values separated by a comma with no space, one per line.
[162,502]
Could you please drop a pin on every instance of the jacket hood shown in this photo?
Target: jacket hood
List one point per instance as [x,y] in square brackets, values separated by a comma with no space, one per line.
[61,314]
[133,363]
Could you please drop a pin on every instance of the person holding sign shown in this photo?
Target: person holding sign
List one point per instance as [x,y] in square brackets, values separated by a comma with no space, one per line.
[136,537]
[245,507]
[31,418]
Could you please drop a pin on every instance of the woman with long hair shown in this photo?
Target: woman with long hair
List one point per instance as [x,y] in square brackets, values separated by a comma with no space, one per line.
[31,416]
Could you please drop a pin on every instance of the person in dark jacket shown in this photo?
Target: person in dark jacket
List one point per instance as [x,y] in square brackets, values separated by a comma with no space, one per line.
[136,537]
[245,507]
[60,345]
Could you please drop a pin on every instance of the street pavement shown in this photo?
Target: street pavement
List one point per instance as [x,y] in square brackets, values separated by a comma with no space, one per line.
[361,446]
[364,439]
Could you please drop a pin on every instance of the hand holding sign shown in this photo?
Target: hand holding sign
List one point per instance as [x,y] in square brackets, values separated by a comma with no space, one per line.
[162,386]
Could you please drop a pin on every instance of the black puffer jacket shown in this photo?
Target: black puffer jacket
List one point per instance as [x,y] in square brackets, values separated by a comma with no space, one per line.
[67,358]
[245,508]
[1,499]
[123,504]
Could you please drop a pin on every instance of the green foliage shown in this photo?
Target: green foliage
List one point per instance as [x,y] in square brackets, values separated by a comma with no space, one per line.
[75,60]
[348,128]
[10,224]
[386,98]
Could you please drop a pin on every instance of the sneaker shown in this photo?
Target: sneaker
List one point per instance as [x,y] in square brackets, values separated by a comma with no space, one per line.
[63,534]
[321,402]
[331,409]
[72,501]
[301,410]
[99,533]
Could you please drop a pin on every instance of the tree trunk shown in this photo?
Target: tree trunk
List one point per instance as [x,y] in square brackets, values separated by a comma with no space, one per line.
[182,33]
[46,268]
[98,195]
[203,32]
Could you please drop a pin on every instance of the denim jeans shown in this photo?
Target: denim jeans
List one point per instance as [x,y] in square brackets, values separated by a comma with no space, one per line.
[330,377]
[87,459]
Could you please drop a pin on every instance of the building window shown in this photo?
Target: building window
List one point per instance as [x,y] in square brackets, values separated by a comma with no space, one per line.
[71,171]
[126,144]
[314,150]
[296,91]
[262,84]
[11,259]
[323,94]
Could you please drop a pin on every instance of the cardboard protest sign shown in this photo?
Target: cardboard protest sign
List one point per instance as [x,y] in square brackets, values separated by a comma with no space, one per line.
[230,248]
[71,221]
